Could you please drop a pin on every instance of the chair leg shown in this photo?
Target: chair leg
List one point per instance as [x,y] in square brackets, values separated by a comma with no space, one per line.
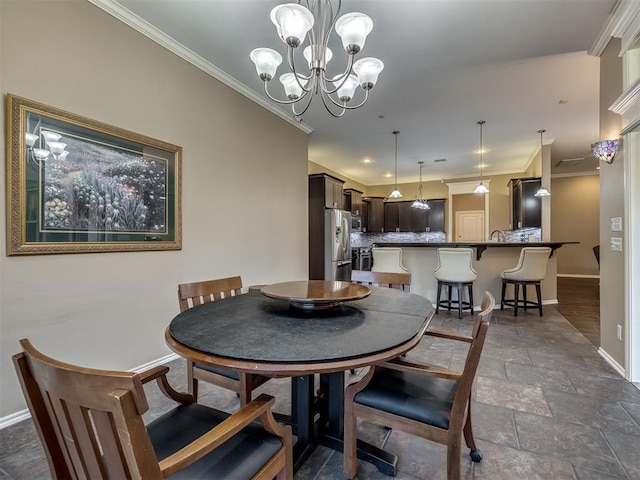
[453,456]
[539,294]
[449,298]
[471,298]
[516,288]
[524,295]
[192,383]
[504,290]
[245,388]
[469,439]
[349,462]
[438,297]
[459,288]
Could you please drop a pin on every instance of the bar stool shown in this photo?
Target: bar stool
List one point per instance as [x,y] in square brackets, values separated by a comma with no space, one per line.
[531,270]
[387,259]
[455,269]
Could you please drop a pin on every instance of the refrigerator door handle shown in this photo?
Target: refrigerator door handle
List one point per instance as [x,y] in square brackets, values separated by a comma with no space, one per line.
[346,262]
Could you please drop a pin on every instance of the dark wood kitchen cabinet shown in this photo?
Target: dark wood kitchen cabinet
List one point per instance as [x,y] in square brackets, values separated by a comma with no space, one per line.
[436,214]
[402,217]
[326,189]
[392,216]
[524,206]
[353,201]
[375,220]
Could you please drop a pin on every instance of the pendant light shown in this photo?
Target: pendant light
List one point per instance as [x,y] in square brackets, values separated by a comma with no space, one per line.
[420,202]
[481,188]
[396,193]
[542,191]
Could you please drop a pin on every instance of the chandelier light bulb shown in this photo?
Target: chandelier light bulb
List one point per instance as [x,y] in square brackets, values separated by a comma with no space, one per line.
[50,136]
[30,139]
[41,154]
[367,70]
[292,86]
[266,61]
[321,60]
[348,88]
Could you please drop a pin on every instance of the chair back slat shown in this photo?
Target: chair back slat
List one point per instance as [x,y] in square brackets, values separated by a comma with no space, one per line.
[199,293]
[70,404]
[400,281]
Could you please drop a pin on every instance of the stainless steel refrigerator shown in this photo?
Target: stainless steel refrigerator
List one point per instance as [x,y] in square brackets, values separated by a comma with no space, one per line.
[337,245]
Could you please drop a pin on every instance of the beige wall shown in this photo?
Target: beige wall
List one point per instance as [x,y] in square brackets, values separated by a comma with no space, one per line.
[612,264]
[244,189]
[348,182]
[575,216]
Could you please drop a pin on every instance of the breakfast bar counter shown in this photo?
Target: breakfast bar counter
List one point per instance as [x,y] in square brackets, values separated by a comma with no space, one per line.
[490,260]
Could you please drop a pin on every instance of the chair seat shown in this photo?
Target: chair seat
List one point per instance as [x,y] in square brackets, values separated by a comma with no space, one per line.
[239,458]
[424,399]
[220,371]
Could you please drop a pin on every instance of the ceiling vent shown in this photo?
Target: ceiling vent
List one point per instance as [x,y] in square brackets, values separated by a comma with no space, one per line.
[440,160]
[569,162]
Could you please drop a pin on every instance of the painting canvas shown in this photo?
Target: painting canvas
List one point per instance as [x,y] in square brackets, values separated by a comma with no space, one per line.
[78,185]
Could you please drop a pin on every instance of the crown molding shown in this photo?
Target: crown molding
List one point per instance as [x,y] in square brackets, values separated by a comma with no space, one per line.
[623,15]
[629,97]
[126,16]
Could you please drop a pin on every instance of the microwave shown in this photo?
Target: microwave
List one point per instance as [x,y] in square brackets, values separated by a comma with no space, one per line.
[356,223]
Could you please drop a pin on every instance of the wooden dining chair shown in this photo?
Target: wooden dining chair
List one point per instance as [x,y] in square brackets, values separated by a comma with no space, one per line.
[401,281]
[198,293]
[91,427]
[430,402]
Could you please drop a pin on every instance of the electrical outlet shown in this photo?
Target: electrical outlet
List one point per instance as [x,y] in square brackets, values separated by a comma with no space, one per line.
[620,332]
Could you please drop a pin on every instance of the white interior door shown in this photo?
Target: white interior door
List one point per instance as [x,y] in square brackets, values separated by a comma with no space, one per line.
[470,226]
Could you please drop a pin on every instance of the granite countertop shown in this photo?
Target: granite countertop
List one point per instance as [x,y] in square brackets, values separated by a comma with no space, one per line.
[479,246]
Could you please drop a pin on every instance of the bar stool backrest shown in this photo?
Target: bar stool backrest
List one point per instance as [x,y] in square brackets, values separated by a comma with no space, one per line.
[387,259]
[532,265]
[454,265]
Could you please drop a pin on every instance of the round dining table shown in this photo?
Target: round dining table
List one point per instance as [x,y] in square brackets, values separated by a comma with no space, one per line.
[275,337]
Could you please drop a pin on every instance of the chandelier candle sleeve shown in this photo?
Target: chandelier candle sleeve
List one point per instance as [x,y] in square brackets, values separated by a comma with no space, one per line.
[314,20]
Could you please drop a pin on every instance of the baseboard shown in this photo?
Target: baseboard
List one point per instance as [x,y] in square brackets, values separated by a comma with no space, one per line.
[575,275]
[17,417]
[610,360]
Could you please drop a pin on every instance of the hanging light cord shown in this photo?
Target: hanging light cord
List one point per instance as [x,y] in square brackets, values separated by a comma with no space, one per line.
[396,132]
[481,122]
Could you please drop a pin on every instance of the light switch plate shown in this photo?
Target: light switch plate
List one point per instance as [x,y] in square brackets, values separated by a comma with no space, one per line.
[616,224]
[616,244]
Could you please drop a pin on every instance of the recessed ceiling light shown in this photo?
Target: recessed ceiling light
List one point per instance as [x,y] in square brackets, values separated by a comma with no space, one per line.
[388,175]
[366,160]
[484,150]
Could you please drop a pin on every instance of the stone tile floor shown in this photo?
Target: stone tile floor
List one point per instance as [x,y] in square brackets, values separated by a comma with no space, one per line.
[546,406]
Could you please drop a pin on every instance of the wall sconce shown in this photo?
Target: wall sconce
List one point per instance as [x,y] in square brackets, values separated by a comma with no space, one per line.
[605,150]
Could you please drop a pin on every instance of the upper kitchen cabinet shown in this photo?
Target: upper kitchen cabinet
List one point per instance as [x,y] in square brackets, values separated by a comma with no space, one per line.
[353,201]
[375,217]
[526,208]
[402,217]
[326,189]
[436,214]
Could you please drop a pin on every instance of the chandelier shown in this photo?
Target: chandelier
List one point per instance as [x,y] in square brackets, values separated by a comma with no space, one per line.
[317,18]
[42,149]
[481,188]
[420,202]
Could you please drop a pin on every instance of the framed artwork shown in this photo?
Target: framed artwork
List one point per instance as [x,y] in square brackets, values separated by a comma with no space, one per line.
[76,185]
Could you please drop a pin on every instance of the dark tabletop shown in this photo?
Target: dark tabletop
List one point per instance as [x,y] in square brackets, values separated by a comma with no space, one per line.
[253,327]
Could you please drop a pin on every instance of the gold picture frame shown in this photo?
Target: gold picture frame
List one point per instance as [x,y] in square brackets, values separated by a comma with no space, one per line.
[77,185]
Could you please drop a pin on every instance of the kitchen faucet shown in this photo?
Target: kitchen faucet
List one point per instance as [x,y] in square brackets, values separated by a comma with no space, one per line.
[501,236]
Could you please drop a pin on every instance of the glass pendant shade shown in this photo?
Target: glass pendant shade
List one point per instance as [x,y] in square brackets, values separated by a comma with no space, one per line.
[308,54]
[395,193]
[292,22]
[266,61]
[291,86]
[348,88]
[542,192]
[605,150]
[481,188]
[367,69]
[353,28]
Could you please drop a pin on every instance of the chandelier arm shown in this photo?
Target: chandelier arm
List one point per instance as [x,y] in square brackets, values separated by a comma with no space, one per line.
[350,107]
[324,96]
[284,102]
[326,32]
[292,66]
[342,78]
[306,107]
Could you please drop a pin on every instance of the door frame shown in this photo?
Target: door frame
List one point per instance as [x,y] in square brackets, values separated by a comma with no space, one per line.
[459,188]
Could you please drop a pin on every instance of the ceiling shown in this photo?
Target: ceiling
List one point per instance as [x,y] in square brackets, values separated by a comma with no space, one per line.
[520,65]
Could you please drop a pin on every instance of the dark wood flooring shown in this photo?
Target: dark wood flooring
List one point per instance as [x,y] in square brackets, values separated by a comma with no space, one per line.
[579,303]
